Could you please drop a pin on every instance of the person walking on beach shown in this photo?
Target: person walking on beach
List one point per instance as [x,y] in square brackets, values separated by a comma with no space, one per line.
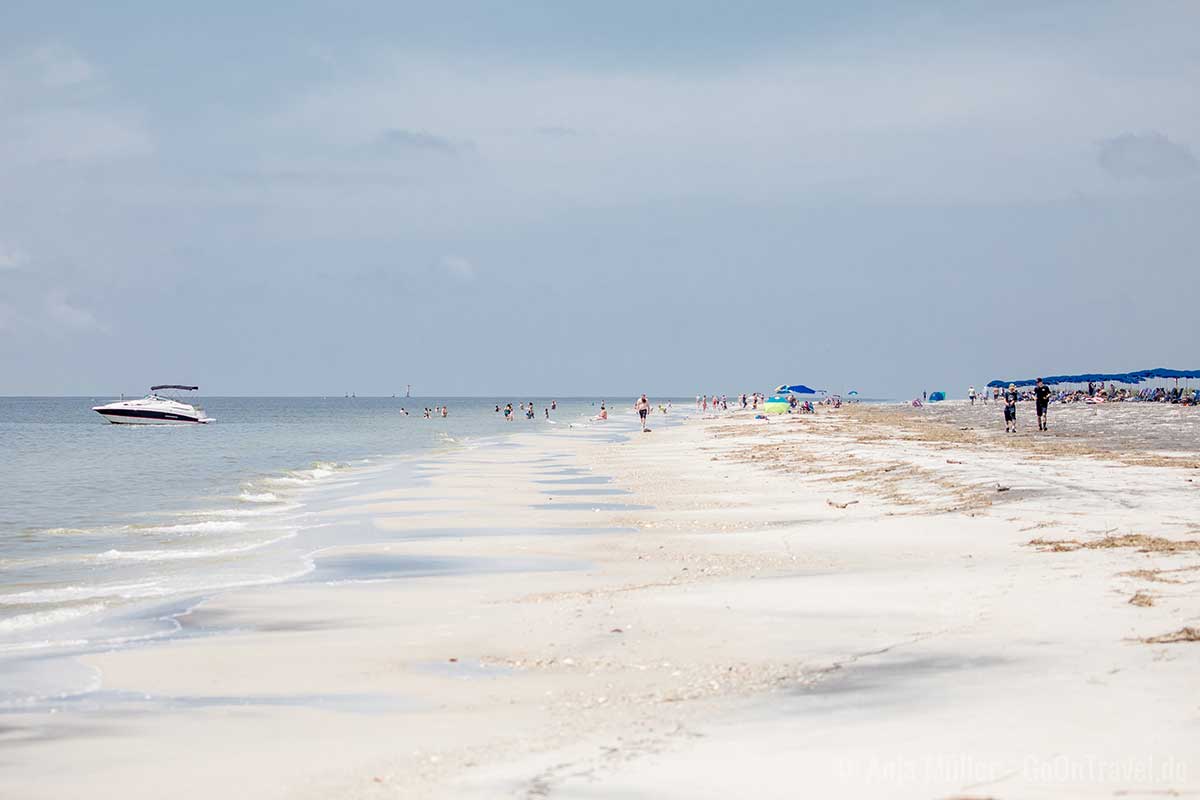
[1010,409]
[971,394]
[1041,395]
[642,406]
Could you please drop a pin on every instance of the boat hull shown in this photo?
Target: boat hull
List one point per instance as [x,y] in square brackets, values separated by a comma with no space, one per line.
[144,416]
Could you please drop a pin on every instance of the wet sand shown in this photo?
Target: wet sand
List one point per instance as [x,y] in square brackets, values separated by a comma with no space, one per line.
[862,603]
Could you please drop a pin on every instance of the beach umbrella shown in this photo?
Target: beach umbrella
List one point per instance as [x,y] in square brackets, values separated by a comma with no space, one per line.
[799,388]
[1135,377]
[852,392]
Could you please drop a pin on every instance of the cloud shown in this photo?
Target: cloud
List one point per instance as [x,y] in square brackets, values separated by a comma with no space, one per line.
[57,109]
[62,312]
[12,257]
[396,140]
[557,131]
[58,66]
[1148,156]
[67,134]
[457,267]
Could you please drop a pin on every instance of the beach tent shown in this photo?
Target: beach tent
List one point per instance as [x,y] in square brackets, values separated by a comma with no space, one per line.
[1134,377]
[777,404]
[937,397]
[799,388]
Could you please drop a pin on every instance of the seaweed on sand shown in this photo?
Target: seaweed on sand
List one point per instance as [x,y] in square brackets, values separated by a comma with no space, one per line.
[1182,635]
[1139,541]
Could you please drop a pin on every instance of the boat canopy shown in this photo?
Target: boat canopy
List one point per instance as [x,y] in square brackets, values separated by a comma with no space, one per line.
[174,386]
[1136,376]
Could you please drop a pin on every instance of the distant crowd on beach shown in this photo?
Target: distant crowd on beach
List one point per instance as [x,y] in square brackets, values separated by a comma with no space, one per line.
[1042,396]
[720,402]
[1095,393]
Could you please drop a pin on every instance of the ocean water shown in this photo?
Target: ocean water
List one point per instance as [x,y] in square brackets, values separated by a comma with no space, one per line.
[108,531]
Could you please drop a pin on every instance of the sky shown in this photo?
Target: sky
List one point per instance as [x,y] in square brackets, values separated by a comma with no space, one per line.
[486,198]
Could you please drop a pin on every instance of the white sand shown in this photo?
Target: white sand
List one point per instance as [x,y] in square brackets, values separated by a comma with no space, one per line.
[743,637]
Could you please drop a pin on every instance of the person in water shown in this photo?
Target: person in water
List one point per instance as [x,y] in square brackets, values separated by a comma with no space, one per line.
[1010,409]
[642,406]
[1041,395]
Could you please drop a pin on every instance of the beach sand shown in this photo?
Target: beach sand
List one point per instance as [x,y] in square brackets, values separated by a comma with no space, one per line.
[859,603]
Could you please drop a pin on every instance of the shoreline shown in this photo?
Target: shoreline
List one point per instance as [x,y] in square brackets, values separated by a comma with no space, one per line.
[808,593]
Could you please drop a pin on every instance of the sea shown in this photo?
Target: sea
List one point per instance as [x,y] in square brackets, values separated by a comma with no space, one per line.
[108,533]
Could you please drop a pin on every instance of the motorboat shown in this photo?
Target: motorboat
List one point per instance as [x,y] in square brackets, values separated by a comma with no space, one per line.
[154,409]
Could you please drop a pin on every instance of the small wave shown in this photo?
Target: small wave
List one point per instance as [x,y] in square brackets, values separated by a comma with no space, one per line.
[40,644]
[302,477]
[180,555]
[210,526]
[145,589]
[39,619]
[259,497]
[250,510]
[67,594]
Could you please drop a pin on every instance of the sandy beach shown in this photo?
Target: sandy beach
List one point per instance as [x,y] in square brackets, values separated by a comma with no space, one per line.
[864,602]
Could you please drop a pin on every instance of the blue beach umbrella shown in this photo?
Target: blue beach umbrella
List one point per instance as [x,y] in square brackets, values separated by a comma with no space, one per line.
[799,388]
[1134,377]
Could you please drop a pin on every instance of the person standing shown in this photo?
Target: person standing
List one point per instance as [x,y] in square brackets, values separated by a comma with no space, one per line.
[1041,394]
[971,394]
[1010,409]
[642,406]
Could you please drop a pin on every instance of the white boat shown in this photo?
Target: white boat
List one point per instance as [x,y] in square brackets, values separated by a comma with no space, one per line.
[154,409]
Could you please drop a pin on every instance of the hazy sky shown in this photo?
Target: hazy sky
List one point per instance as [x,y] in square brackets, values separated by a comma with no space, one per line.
[556,198]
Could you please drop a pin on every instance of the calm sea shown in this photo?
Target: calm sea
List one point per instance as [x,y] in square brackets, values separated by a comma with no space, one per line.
[98,519]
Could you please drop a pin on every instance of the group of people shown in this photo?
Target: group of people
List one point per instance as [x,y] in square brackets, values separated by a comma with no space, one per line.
[1098,393]
[527,410]
[721,402]
[1041,398]
[429,413]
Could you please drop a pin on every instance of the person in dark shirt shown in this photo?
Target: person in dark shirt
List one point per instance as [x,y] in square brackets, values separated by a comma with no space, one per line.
[1041,395]
[1010,409]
